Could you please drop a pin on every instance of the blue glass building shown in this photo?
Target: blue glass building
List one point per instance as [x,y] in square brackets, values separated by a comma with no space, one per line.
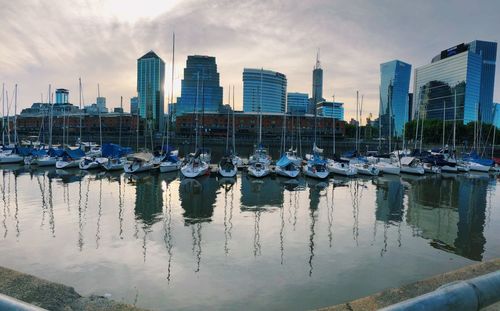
[297,103]
[496,114]
[201,80]
[331,109]
[272,95]
[62,96]
[449,82]
[468,69]
[150,89]
[394,85]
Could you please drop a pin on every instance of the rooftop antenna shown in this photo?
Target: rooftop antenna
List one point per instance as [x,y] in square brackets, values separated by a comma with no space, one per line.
[318,63]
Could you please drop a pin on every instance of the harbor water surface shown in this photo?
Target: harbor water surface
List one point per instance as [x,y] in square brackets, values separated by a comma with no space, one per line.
[166,243]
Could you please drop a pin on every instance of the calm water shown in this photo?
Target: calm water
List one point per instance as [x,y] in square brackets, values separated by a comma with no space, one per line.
[164,243]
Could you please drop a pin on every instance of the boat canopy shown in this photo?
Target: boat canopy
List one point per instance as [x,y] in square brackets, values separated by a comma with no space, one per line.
[115,151]
[39,152]
[55,152]
[283,161]
[142,156]
[407,160]
[74,153]
[474,157]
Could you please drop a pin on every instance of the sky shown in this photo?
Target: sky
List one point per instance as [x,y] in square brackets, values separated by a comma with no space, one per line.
[56,42]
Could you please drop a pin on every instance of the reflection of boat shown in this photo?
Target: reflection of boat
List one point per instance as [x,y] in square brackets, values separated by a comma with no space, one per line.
[260,193]
[198,199]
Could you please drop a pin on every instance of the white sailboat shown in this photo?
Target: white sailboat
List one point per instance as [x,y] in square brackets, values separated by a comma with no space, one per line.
[226,167]
[9,155]
[139,162]
[259,162]
[411,165]
[195,164]
[70,159]
[288,165]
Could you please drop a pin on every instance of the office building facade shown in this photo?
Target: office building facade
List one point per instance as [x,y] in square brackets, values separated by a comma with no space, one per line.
[264,90]
[496,114]
[393,108]
[317,84]
[134,105]
[331,109]
[297,103]
[62,96]
[467,70]
[200,86]
[150,89]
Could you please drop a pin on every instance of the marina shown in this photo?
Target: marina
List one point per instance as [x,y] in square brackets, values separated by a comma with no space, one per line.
[298,243]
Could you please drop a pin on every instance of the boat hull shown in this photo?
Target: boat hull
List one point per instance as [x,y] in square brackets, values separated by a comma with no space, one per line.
[192,172]
[11,159]
[166,167]
[287,173]
[387,168]
[413,170]
[67,164]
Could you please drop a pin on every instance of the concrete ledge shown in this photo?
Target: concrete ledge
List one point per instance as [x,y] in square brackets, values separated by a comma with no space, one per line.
[52,296]
[395,295]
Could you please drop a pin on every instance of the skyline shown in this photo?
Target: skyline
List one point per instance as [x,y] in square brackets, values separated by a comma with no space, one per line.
[101,42]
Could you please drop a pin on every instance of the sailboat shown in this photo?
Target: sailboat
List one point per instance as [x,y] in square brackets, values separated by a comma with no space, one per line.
[10,155]
[70,158]
[93,158]
[139,162]
[195,164]
[226,167]
[288,165]
[260,160]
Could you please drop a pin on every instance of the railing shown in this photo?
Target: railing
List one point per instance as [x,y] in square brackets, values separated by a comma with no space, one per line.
[473,294]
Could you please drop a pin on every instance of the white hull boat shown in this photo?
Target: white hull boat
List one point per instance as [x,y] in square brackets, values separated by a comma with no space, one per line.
[431,169]
[341,168]
[89,164]
[138,167]
[388,168]
[315,172]
[65,164]
[168,166]
[114,164]
[194,169]
[10,158]
[449,169]
[478,167]
[367,169]
[259,170]
[290,173]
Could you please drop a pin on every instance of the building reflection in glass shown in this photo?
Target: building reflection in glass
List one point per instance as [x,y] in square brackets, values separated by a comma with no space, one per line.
[451,213]
[148,199]
[260,193]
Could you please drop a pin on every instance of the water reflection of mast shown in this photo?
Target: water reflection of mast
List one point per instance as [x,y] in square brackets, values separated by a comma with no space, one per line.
[256,234]
[282,229]
[44,203]
[314,199]
[4,222]
[99,214]
[52,221]
[120,206]
[16,214]
[167,227]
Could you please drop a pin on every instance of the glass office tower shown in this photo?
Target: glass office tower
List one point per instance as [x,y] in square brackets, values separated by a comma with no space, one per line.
[297,103]
[273,93]
[496,114]
[202,81]
[394,85]
[453,81]
[331,110]
[150,89]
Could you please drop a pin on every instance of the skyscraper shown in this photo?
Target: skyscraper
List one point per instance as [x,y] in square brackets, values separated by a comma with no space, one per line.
[317,85]
[134,105]
[394,85]
[496,114]
[273,93]
[466,71]
[297,103]
[201,81]
[150,89]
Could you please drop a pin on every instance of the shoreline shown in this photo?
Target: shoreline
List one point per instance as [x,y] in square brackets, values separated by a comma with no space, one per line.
[53,296]
[395,295]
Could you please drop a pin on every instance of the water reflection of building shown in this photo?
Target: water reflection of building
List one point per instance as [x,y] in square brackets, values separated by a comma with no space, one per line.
[450,212]
[198,199]
[263,192]
[389,199]
[148,199]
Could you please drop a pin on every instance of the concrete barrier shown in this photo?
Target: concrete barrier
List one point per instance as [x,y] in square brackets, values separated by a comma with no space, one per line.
[473,294]
[9,303]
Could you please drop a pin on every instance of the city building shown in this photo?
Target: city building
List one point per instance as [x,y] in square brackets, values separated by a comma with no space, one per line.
[134,105]
[101,104]
[317,86]
[150,89]
[496,114]
[460,78]
[62,96]
[297,103]
[410,106]
[394,85]
[353,122]
[200,86]
[271,98]
[330,110]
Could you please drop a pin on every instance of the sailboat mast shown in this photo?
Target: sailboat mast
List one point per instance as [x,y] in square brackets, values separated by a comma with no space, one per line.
[15,115]
[260,107]
[333,126]
[99,112]
[444,121]
[171,89]
[390,123]
[8,115]
[196,110]
[421,134]
[227,121]
[454,119]
[121,113]
[283,145]
[80,107]
[3,113]
[51,117]
[234,141]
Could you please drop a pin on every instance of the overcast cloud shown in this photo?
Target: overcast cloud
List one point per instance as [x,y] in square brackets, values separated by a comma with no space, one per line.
[59,41]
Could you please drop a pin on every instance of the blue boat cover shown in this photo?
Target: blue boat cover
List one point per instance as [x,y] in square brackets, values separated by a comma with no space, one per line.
[283,161]
[38,152]
[55,152]
[350,154]
[74,154]
[114,151]
[474,157]
[23,151]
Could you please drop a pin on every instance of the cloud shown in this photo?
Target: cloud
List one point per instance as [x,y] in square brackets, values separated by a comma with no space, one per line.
[58,41]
